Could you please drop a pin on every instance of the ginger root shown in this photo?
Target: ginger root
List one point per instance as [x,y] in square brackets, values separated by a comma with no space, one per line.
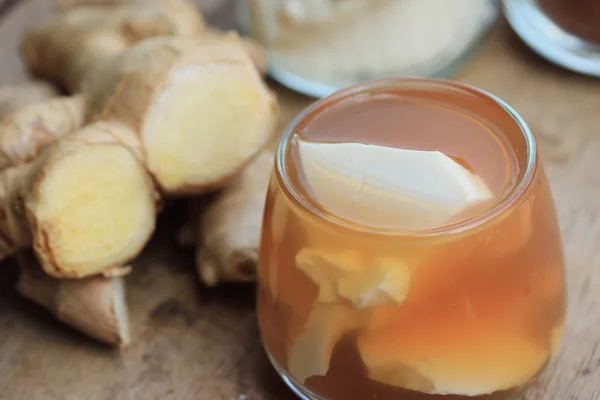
[228,232]
[86,203]
[16,96]
[160,106]
[95,306]
[70,47]
[183,115]
[200,109]
[27,131]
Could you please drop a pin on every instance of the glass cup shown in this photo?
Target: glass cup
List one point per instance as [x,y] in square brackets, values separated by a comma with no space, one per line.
[565,32]
[475,307]
[319,46]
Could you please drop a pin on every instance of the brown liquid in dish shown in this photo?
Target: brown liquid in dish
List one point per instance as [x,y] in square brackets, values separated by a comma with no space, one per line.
[578,17]
[484,308]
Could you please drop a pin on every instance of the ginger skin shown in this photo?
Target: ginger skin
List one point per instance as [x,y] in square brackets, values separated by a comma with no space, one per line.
[227,232]
[27,131]
[254,49]
[70,47]
[13,97]
[95,306]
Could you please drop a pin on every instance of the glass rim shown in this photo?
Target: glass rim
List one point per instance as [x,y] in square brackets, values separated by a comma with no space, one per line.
[516,195]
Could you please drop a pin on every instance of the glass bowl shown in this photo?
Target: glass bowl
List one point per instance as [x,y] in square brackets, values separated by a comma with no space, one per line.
[565,32]
[319,46]
[482,300]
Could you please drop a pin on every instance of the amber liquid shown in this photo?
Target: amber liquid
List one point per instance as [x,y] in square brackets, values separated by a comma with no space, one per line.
[485,306]
[578,17]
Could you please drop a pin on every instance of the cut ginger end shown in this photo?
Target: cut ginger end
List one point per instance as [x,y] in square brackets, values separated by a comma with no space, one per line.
[93,204]
[218,117]
[496,363]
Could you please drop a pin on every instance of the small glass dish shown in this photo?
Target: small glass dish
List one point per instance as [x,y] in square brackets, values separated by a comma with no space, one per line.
[476,307]
[319,46]
[565,32]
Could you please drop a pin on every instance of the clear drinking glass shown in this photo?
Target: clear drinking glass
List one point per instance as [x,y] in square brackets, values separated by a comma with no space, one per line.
[565,32]
[470,309]
[319,46]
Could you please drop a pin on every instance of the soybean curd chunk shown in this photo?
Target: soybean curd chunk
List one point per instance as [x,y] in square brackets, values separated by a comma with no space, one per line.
[385,185]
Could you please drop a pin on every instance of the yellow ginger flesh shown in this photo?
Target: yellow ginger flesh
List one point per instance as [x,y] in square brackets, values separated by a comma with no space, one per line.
[93,211]
[200,108]
[226,135]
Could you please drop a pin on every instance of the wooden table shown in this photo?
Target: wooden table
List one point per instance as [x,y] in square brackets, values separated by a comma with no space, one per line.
[194,343]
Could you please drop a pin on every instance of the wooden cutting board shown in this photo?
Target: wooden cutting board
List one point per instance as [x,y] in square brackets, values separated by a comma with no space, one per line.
[191,342]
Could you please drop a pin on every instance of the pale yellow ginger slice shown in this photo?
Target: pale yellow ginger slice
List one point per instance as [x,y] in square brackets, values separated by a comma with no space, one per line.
[199,106]
[94,306]
[311,354]
[487,363]
[348,276]
[389,187]
[85,204]
[94,207]
[68,49]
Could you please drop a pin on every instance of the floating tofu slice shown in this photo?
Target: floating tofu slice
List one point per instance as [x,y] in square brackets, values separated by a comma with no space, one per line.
[327,324]
[494,361]
[388,187]
[346,276]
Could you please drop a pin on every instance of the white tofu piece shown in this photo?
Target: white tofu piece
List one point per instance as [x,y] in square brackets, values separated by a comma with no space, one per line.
[388,187]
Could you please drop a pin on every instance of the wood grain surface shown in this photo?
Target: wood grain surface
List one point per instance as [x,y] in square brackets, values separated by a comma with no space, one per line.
[194,343]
